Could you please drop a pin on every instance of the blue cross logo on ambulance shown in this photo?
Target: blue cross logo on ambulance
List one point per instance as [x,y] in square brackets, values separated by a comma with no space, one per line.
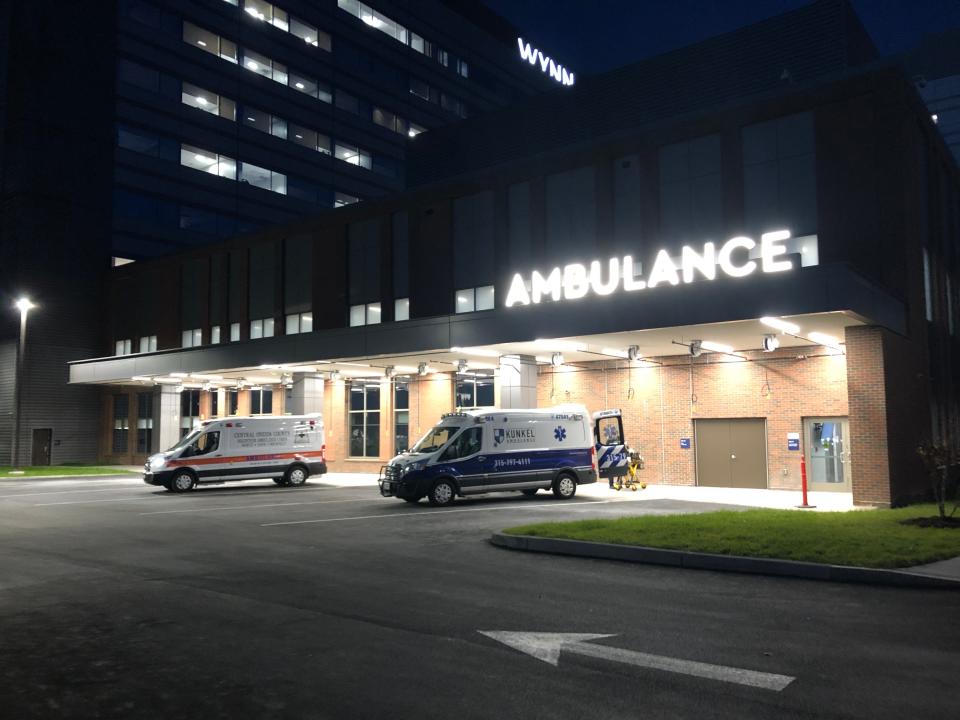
[735,258]
[481,451]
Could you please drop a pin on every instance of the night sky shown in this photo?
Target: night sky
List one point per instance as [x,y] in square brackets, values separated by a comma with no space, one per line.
[591,36]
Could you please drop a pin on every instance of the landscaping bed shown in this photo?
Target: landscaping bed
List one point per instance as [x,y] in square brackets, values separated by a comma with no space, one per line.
[870,538]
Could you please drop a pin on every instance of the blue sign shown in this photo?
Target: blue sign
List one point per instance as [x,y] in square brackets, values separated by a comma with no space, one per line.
[684,443]
[793,443]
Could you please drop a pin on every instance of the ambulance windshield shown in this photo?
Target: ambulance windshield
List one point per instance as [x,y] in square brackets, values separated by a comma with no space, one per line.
[187,439]
[435,439]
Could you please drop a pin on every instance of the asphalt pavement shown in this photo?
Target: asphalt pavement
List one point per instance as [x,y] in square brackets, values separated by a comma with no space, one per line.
[253,601]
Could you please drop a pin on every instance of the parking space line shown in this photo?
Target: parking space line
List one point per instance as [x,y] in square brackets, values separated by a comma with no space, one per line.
[415,514]
[251,507]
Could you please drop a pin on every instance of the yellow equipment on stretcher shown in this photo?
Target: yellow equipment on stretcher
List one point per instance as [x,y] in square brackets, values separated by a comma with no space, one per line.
[631,481]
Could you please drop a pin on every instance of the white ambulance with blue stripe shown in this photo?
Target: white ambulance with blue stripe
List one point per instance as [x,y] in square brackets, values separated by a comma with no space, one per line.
[482,451]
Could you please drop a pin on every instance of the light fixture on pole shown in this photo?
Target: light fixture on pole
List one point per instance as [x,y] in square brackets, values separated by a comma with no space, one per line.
[24,306]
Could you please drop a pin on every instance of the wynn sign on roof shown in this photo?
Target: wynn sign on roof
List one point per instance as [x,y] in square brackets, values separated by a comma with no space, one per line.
[536,57]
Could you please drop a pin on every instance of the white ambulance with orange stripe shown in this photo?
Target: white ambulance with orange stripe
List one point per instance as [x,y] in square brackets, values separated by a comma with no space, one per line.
[287,449]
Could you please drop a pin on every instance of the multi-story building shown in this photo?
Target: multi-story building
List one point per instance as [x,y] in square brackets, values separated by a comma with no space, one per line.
[749,245]
[133,129]
[934,66]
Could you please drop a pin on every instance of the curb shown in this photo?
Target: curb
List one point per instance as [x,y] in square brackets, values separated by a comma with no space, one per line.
[724,563]
[36,478]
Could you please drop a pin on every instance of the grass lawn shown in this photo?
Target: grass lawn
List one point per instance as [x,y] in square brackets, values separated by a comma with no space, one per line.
[868,538]
[43,470]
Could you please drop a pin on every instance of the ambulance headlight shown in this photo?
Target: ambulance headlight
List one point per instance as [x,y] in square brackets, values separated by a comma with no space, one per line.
[157,463]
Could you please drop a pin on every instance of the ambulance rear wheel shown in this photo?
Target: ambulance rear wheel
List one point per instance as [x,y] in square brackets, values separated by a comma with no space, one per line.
[183,481]
[564,487]
[295,476]
[530,492]
[442,493]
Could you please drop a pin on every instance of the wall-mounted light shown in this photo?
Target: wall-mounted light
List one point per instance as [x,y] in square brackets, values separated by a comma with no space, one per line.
[422,369]
[461,365]
[389,372]
[633,353]
[695,348]
[333,375]
[556,359]
[770,343]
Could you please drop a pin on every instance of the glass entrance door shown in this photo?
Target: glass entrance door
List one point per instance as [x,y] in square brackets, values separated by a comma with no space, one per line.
[827,448]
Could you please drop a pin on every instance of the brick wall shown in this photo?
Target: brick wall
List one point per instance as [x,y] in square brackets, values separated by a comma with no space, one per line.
[660,400]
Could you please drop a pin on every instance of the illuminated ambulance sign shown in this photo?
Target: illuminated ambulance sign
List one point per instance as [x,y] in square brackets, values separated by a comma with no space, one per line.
[738,257]
[546,63]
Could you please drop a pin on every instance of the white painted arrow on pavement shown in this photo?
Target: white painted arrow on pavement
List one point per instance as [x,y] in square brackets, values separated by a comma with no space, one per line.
[547,646]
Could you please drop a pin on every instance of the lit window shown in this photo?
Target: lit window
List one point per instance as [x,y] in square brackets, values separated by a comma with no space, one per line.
[215,335]
[309,34]
[210,162]
[191,338]
[368,314]
[118,261]
[234,332]
[474,299]
[415,130]
[299,323]
[123,347]
[353,155]
[443,58]
[401,418]
[927,286]
[265,12]
[261,328]
[364,416]
[340,199]
[263,178]
[463,69]
[148,343]
[309,139]
[262,65]
[474,390]
[208,101]
[209,42]
[401,309]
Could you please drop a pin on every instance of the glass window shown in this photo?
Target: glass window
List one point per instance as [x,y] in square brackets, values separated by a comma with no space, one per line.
[261,401]
[464,300]
[353,155]
[474,390]
[266,12]
[309,34]
[420,88]
[122,347]
[215,335]
[779,175]
[208,101]
[144,422]
[373,313]
[484,297]
[466,444]
[264,122]
[191,338]
[233,401]
[401,420]
[263,178]
[340,199]
[385,118]
[234,332]
[121,423]
[308,138]
[262,328]
[303,84]
[209,42]
[364,420]
[443,58]
[463,69]
[138,141]
[401,309]
[148,343]
[299,323]
[198,159]
[189,411]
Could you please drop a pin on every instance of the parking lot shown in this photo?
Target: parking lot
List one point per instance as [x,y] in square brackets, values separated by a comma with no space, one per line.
[248,600]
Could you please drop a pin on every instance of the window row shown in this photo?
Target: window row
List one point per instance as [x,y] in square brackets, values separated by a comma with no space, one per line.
[226,167]
[379,21]
[278,72]
[278,18]
[147,343]
[278,127]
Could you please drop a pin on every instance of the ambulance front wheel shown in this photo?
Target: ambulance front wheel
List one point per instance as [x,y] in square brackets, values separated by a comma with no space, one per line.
[183,481]
[442,493]
[564,487]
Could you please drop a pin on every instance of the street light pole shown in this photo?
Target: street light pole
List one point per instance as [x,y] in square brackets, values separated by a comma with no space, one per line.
[24,306]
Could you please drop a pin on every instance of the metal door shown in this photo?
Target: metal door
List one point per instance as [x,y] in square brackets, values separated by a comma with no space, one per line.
[42,440]
[731,452]
[826,444]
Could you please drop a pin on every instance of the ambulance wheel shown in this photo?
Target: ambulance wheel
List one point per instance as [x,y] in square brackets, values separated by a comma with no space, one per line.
[183,481]
[529,492]
[295,476]
[564,487]
[442,493]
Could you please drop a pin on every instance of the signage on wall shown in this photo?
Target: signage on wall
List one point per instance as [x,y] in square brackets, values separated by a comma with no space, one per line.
[684,443]
[735,258]
[793,441]
[547,65]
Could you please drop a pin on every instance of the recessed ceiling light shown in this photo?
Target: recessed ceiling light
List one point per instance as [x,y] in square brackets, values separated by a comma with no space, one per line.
[252,64]
[201,101]
[201,43]
[299,85]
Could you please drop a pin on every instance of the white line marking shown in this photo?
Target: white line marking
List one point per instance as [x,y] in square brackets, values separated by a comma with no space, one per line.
[548,646]
[415,514]
[251,507]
